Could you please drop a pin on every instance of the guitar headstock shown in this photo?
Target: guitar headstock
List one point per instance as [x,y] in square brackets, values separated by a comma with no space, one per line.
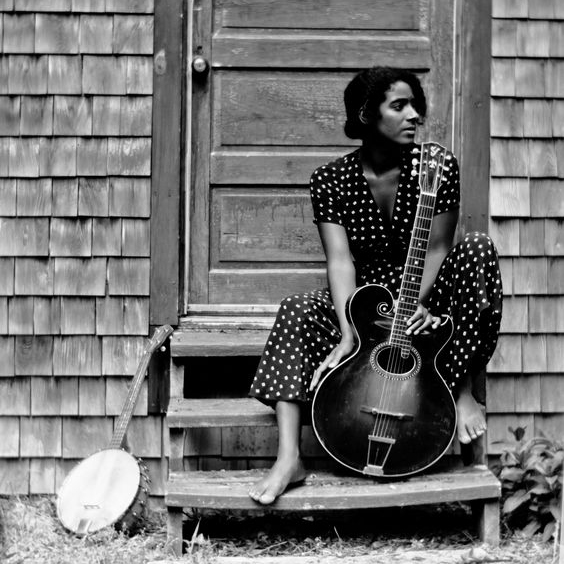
[160,335]
[432,167]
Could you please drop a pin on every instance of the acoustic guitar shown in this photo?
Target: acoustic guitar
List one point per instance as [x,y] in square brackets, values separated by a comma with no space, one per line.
[111,486]
[385,411]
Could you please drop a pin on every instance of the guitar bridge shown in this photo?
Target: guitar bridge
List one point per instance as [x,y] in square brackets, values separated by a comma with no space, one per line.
[393,415]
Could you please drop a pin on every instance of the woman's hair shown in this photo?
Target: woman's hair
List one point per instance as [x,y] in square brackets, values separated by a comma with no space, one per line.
[367,90]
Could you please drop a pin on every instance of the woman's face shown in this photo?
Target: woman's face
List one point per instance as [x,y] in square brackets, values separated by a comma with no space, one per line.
[398,118]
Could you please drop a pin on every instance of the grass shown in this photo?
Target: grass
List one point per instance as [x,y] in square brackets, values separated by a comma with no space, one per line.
[31,534]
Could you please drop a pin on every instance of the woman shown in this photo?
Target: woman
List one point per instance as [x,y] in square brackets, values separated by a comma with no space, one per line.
[364,206]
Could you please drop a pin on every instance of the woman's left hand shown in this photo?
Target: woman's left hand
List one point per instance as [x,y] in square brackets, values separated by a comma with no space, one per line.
[422,319]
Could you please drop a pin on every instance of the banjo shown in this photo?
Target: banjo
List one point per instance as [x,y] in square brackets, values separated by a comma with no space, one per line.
[111,486]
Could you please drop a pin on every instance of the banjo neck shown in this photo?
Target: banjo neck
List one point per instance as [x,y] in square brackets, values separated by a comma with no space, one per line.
[157,340]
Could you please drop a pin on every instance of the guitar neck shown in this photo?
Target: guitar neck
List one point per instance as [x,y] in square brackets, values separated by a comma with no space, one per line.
[410,289]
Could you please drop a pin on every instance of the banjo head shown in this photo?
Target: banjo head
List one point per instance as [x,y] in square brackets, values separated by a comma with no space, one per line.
[98,491]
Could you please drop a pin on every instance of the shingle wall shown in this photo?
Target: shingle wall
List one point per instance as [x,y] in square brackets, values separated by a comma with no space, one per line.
[75,146]
[526,383]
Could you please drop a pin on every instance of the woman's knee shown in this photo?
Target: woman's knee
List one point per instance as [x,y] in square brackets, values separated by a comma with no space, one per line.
[477,241]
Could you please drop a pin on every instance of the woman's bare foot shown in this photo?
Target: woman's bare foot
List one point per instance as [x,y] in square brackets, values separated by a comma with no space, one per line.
[286,471]
[471,418]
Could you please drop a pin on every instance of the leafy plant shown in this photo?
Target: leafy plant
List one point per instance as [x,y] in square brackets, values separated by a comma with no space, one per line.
[531,477]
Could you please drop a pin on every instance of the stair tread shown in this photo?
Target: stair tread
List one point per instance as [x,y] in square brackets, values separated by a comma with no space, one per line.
[218,412]
[322,490]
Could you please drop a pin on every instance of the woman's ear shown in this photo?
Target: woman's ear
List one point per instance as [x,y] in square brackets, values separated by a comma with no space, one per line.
[362,115]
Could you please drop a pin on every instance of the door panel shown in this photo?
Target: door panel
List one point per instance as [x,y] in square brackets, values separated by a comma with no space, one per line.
[270,111]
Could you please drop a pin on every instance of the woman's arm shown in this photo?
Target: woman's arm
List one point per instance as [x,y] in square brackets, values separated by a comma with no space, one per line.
[440,242]
[341,274]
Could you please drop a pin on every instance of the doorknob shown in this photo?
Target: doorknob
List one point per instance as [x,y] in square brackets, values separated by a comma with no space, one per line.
[200,65]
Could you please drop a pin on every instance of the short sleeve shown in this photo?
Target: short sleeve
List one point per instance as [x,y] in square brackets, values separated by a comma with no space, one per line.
[448,197]
[325,197]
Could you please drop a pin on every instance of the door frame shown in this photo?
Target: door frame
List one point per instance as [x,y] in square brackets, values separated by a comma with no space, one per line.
[172,134]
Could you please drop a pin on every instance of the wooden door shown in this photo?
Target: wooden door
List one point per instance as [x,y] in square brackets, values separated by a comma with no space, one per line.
[270,110]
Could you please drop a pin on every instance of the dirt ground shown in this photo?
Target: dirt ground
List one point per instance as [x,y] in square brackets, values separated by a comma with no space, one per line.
[31,534]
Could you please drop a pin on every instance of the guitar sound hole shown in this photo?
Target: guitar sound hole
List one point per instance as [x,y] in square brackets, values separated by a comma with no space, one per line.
[388,362]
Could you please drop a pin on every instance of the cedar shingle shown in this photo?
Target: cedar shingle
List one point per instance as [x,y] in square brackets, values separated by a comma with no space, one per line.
[507,117]
[537,116]
[530,78]
[54,396]
[106,237]
[83,436]
[93,196]
[509,9]
[34,356]
[128,276]
[14,477]
[78,316]
[42,476]
[56,33]
[130,6]
[106,115]
[20,316]
[500,391]
[515,315]
[121,355]
[503,77]
[509,197]
[136,316]
[6,276]
[129,156]
[534,353]
[136,239]
[554,78]
[4,155]
[532,238]
[530,276]
[65,197]
[556,39]
[36,115]
[109,316]
[144,436]
[554,237]
[130,197]
[10,444]
[46,316]
[88,5]
[505,233]
[65,74]
[552,393]
[57,156]
[533,39]
[72,115]
[77,356]
[139,75]
[9,115]
[3,316]
[559,152]
[96,34]
[135,116]
[550,425]
[24,236]
[4,74]
[116,392]
[545,314]
[558,118]
[15,396]
[542,158]
[92,157]
[527,393]
[6,5]
[18,33]
[34,276]
[24,157]
[71,237]
[34,197]
[43,5]
[133,35]
[104,75]
[555,353]
[41,436]
[92,396]
[8,196]
[7,356]
[80,277]
[542,9]
[509,157]
[556,275]
[504,38]
[547,198]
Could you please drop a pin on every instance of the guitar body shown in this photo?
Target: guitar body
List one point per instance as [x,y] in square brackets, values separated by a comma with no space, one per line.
[109,487]
[377,412]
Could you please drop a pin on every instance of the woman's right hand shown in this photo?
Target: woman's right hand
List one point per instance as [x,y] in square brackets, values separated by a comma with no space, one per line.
[341,350]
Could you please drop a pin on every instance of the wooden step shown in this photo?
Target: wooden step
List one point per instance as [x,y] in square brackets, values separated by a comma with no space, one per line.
[324,491]
[218,342]
[221,412]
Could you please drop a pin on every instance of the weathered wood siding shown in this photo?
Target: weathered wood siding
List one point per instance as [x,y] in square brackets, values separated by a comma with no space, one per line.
[526,382]
[76,82]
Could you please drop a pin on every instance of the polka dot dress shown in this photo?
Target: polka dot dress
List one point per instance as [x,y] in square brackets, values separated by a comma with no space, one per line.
[467,287]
